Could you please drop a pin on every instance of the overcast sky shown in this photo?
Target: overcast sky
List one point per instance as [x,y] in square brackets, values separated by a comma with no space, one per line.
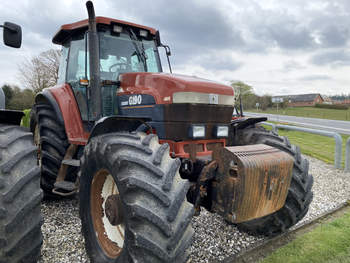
[278,47]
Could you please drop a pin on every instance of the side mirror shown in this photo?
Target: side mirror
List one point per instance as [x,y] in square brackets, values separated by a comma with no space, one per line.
[167,50]
[166,47]
[159,44]
[12,35]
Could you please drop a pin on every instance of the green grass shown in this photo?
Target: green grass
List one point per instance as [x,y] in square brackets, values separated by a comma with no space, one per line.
[317,146]
[328,243]
[311,112]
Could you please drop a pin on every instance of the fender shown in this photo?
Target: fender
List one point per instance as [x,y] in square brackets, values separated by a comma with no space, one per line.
[62,100]
[118,123]
[11,117]
[46,97]
[242,123]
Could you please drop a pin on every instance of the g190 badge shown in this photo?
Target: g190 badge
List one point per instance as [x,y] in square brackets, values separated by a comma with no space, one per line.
[135,100]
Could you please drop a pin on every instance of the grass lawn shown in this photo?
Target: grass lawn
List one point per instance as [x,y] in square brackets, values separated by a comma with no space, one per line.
[317,146]
[328,243]
[311,112]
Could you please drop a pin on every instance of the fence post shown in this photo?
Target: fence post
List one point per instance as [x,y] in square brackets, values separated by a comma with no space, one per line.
[347,156]
[274,128]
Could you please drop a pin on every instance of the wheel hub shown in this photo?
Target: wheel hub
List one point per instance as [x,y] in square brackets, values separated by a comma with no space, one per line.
[113,210]
[106,213]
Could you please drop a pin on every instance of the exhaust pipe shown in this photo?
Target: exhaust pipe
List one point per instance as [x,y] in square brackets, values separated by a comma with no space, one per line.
[94,64]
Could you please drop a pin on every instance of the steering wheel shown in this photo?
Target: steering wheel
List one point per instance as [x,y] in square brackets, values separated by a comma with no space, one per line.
[121,65]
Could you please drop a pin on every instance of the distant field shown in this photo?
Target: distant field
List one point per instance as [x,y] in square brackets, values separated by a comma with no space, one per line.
[331,114]
[317,146]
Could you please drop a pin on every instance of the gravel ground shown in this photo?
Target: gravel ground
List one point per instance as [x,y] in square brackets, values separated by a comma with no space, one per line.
[214,239]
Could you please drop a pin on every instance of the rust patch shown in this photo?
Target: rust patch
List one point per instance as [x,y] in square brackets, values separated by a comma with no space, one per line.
[203,183]
[96,202]
[62,172]
[252,181]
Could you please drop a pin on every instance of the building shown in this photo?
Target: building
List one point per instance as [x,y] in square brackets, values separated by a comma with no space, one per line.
[345,101]
[300,100]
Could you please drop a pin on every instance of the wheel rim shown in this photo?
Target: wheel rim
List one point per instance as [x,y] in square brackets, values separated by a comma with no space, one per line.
[37,143]
[110,237]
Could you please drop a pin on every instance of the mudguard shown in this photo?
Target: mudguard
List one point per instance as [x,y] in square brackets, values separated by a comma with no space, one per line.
[117,124]
[242,123]
[11,117]
[46,97]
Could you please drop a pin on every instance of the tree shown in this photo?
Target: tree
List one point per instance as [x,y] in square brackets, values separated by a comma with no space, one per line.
[265,102]
[22,99]
[8,94]
[18,99]
[249,99]
[40,71]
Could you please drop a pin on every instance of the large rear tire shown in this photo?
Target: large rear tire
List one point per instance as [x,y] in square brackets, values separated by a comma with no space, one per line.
[20,197]
[52,141]
[156,224]
[299,194]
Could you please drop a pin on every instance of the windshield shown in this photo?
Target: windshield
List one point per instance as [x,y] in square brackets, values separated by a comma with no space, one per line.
[126,53]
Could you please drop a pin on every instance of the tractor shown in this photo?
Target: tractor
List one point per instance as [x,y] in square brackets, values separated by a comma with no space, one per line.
[20,193]
[147,150]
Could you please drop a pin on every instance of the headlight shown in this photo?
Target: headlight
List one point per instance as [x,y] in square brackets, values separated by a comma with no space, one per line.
[221,131]
[197,132]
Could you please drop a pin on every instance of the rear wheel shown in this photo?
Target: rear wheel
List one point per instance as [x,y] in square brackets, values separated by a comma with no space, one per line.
[132,201]
[52,142]
[299,194]
[20,197]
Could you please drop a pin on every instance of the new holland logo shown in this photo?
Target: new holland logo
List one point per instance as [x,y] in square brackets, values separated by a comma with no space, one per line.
[213,98]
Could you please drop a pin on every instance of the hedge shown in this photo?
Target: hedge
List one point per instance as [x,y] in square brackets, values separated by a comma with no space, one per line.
[26,118]
[332,106]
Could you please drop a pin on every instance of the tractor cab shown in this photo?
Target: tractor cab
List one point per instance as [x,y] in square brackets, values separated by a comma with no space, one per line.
[122,47]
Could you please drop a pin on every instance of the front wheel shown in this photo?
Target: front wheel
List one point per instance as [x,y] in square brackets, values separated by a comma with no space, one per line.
[132,201]
[299,193]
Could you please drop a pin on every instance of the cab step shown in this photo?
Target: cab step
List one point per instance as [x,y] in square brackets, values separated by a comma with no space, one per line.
[65,188]
[71,162]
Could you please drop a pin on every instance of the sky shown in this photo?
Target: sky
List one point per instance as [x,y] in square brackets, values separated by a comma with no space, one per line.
[277,47]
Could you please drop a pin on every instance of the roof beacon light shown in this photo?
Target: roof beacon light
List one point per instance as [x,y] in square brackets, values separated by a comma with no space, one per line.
[117,29]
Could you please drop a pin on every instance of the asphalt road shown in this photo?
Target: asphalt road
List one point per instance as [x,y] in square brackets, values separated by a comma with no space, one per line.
[314,123]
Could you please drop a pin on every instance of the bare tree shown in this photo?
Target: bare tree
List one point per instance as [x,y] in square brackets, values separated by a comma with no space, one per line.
[40,71]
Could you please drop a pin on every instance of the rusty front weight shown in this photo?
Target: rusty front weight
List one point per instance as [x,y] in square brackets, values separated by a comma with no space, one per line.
[252,181]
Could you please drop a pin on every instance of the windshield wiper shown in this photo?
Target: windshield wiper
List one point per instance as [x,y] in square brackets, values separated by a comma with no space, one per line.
[141,55]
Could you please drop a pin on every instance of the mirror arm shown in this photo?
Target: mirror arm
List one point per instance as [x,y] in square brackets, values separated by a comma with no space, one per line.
[168,53]
[9,28]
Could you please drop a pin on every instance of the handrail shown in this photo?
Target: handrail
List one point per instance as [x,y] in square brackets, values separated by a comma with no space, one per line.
[270,124]
[338,140]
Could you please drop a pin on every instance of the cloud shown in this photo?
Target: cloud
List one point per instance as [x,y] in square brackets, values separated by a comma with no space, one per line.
[217,61]
[315,77]
[292,65]
[334,58]
[334,36]
[260,38]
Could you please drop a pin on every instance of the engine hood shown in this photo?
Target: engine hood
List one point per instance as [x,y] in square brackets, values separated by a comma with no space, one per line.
[174,88]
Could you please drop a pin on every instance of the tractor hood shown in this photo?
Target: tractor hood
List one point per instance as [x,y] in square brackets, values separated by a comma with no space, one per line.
[173,88]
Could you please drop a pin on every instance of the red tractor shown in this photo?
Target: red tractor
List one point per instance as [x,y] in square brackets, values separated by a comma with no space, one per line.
[146,150]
